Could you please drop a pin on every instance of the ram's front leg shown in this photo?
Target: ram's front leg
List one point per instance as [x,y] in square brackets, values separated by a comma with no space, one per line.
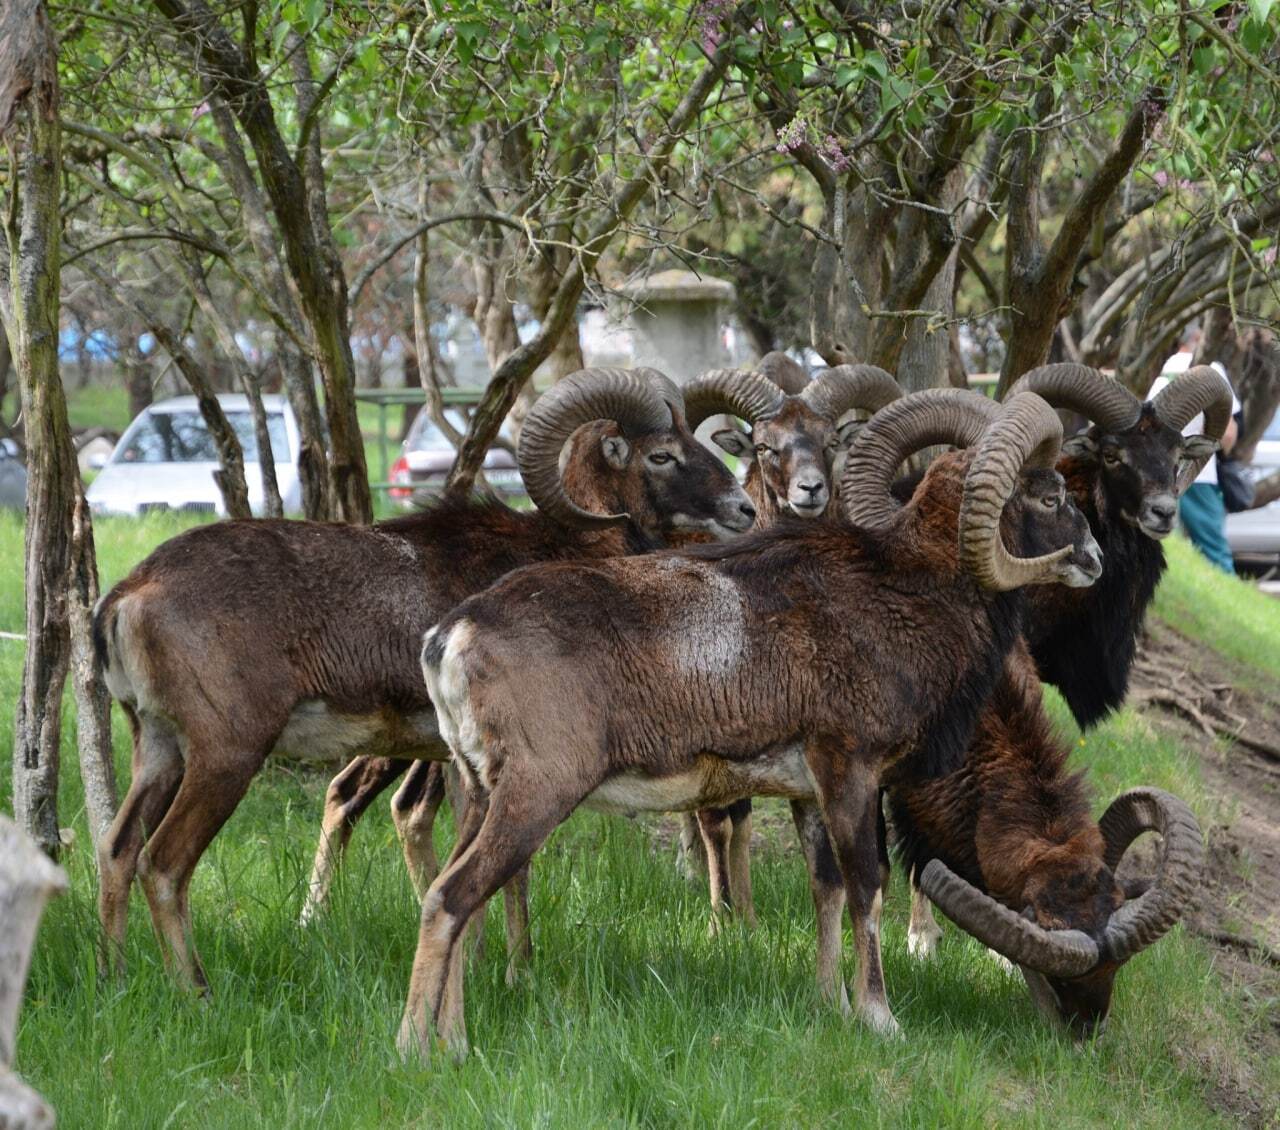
[847,794]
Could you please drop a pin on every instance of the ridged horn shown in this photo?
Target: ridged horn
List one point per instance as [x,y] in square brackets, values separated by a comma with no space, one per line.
[738,392]
[787,374]
[1143,920]
[1055,953]
[633,398]
[1197,390]
[834,392]
[1200,389]
[1083,390]
[1027,434]
[901,428]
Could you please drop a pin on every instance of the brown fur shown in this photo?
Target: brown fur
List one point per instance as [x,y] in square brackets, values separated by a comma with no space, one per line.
[871,652]
[1014,820]
[233,638]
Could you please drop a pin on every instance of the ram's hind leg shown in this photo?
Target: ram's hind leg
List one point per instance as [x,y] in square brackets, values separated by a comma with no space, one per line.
[827,887]
[348,797]
[848,795]
[740,861]
[157,772]
[715,829]
[413,810]
[523,810]
[923,931]
[212,787]
[691,858]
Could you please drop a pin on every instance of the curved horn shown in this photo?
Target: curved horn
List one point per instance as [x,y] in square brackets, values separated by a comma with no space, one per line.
[665,387]
[787,374]
[1055,953]
[740,392]
[631,397]
[1142,920]
[1083,390]
[901,428]
[1027,434]
[837,391]
[1198,390]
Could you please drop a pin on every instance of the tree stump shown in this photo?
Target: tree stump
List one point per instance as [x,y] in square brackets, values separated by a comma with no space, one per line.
[28,879]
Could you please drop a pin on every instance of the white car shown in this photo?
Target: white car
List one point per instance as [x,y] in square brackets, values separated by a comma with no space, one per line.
[1254,535]
[166,459]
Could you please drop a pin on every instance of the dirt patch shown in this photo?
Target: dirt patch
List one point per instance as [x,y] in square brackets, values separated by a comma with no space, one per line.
[1230,719]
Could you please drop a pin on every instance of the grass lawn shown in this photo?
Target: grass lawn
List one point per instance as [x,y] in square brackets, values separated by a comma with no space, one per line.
[631,1015]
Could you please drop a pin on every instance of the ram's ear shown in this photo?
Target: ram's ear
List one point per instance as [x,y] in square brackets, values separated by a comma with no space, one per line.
[1081,446]
[1198,447]
[617,451]
[735,442]
[847,432]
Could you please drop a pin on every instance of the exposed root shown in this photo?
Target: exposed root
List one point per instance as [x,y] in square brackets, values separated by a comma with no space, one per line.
[1159,678]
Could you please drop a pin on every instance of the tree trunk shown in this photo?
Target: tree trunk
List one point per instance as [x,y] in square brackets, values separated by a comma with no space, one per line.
[93,702]
[1039,279]
[27,881]
[924,361]
[295,366]
[137,380]
[298,205]
[6,363]
[1266,491]
[29,88]
[428,372]
[247,379]
[313,458]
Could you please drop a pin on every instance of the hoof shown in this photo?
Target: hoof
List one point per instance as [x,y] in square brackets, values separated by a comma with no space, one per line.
[1003,962]
[923,944]
[880,1020]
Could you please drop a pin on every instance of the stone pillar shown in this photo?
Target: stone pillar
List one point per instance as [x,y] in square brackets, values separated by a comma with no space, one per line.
[676,318]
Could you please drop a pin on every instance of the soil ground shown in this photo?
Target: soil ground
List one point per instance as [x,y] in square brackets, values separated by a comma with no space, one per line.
[1240,912]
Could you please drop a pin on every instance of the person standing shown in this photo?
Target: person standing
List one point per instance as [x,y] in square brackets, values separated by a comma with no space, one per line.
[1200,509]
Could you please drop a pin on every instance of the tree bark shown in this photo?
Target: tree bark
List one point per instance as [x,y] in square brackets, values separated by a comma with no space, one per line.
[308,242]
[1266,491]
[1039,279]
[425,357]
[27,881]
[93,701]
[272,505]
[295,367]
[137,380]
[924,361]
[32,230]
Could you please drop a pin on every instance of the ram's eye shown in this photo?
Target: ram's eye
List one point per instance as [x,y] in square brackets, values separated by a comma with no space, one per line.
[658,458]
[764,449]
[1111,458]
[1051,502]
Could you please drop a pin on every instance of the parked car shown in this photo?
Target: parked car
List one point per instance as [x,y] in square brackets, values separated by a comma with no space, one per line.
[166,459]
[427,456]
[13,477]
[1254,535]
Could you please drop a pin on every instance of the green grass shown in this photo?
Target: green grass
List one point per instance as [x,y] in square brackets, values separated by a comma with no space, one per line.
[631,1015]
[1226,613]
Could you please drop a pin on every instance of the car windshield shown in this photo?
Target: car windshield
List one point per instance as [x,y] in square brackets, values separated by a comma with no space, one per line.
[182,437]
[1273,428]
[425,436]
